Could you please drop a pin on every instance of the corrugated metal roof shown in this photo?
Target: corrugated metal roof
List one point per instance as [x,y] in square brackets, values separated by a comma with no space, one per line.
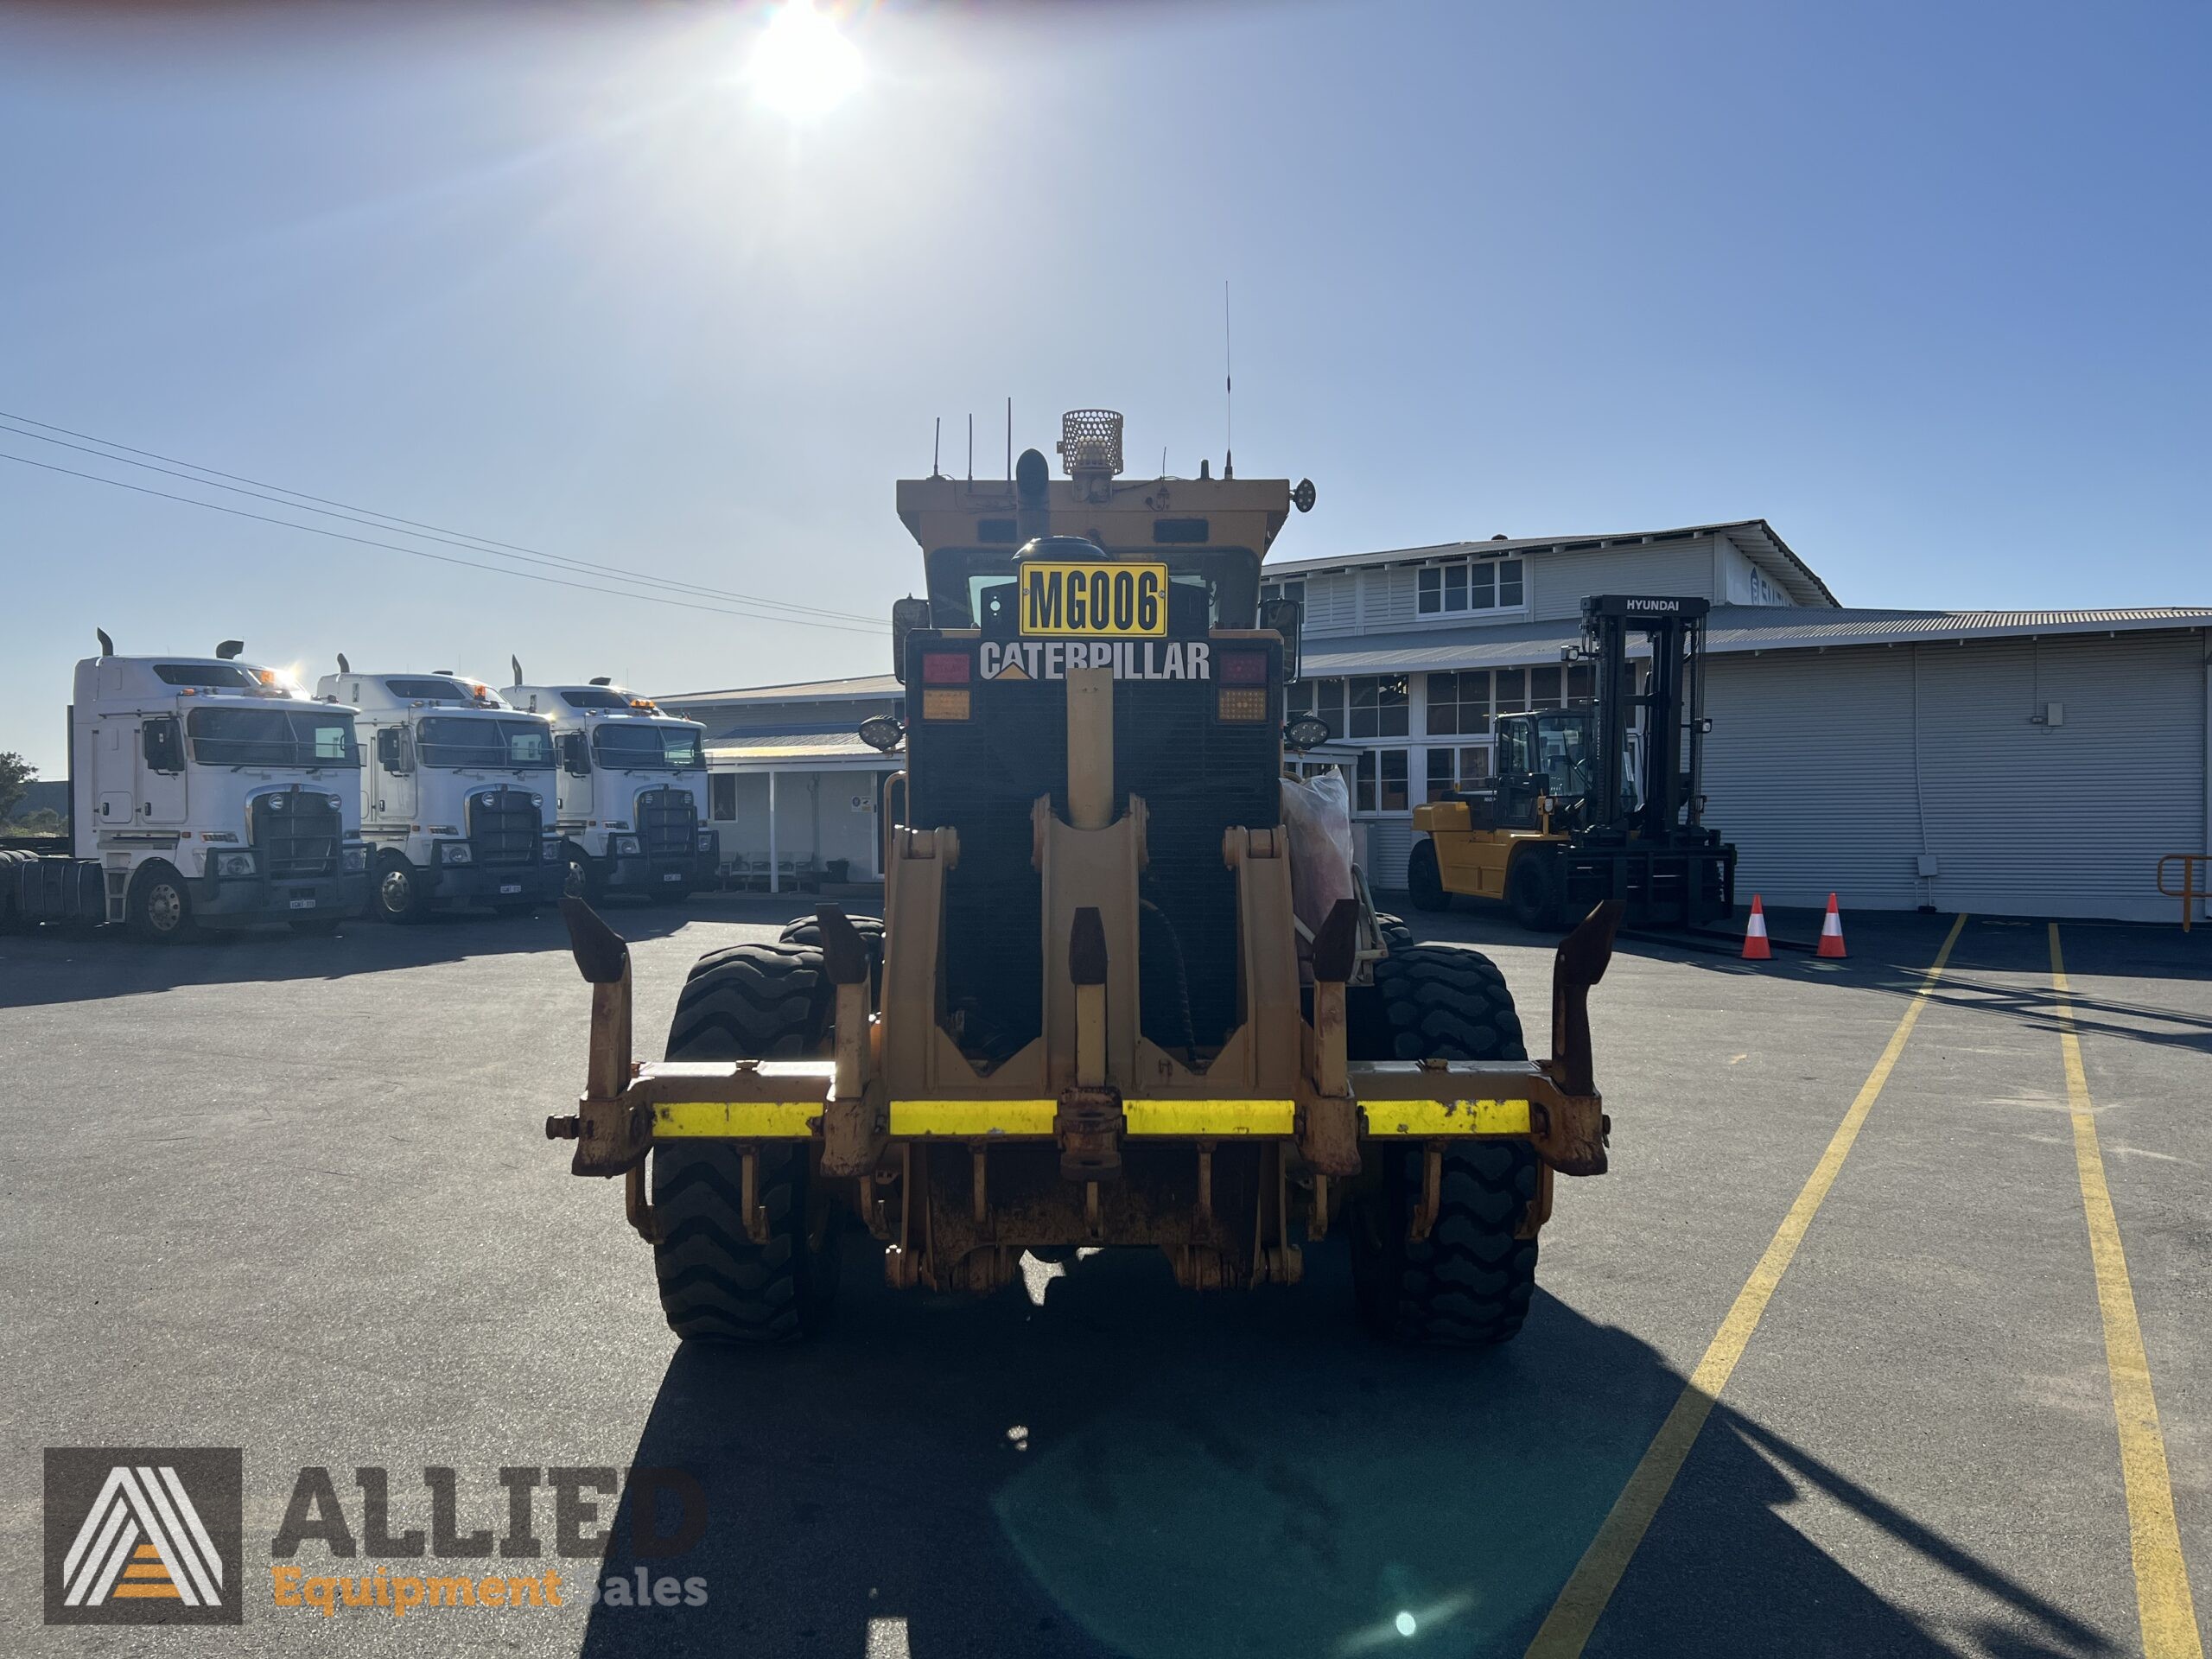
[798,749]
[1755,538]
[1730,628]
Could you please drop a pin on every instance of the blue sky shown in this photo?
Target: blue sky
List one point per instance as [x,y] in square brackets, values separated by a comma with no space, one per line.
[1923,285]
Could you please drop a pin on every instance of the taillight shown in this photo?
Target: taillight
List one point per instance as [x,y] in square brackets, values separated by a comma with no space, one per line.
[937,704]
[945,668]
[1243,667]
[1244,702]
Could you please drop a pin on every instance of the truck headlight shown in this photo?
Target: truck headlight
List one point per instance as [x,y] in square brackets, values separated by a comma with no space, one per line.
[626,846]
[234,864]
[356,859]
[549,852]
[706,841]
[454,852]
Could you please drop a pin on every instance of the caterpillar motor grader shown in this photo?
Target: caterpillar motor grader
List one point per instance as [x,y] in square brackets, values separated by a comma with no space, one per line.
[1086,1017]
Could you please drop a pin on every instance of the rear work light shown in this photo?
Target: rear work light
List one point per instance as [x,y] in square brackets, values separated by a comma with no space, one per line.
[945,705]
[945,668]
[1243,667]
[1244,702]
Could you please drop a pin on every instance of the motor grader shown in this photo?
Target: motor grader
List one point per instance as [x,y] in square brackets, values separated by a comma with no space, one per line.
[1089,1016]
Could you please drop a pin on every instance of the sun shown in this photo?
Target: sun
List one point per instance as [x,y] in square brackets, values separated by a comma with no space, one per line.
[802,65]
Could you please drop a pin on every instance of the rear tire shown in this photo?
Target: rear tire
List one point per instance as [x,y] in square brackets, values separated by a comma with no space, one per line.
[808,932]
[752,1001]
[1528,893]
[1424,880]
[159,910]
[1466,1285]
[1396,936]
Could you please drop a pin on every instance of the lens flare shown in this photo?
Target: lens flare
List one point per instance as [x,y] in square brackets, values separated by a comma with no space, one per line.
[802,65]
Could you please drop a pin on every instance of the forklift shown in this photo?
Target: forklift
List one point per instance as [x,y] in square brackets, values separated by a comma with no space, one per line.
[1598,801]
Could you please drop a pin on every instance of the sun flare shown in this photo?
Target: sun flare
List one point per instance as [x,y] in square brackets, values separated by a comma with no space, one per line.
[802,65]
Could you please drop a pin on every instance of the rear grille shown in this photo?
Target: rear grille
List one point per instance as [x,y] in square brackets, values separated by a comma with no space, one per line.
[503,827]
[1197,776]
[667,820]
[297,833]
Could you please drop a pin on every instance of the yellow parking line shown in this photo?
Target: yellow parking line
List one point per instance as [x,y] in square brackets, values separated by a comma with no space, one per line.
[1591,1586]
[2163,1603]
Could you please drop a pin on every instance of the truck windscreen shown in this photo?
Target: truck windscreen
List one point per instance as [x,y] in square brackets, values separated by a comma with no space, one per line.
[640,743]
[272,737]
[459,740]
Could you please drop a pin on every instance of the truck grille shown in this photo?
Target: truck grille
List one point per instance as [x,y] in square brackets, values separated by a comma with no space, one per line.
[667,821]
[297,833]
[503,827]
[1198,777]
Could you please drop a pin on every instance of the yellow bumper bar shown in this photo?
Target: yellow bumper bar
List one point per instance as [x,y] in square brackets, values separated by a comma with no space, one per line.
[972,1120]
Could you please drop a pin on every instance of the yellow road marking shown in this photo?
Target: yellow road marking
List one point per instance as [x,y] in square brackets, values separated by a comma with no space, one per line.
[1582,1601]
[2162,1597]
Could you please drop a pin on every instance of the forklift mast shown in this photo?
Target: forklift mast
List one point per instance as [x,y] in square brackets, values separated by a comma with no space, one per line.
[1673,705]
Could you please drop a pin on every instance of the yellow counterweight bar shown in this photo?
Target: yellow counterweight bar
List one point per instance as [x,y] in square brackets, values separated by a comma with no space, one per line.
[968,1120]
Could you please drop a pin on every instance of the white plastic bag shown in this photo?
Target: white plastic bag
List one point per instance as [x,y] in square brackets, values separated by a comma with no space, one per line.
[1317,811]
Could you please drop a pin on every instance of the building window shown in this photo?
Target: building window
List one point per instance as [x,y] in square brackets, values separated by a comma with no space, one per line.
[1457,587]
[1512,690]
[1458,704]
[1380,705]
[1324,698]
[1452,771]
[1379,785]
[1284,590]
[1579,682]
[722,796]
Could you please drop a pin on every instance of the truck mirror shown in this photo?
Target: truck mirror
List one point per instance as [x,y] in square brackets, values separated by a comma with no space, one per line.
[391,753]
[907,615]
[1287,618]
[160,743]
[575,754]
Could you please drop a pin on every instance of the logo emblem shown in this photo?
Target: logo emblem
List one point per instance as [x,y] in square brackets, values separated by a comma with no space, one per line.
[143,1535]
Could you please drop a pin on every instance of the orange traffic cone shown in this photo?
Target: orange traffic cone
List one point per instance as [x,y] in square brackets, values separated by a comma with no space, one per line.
[1831,933]
[1756,949]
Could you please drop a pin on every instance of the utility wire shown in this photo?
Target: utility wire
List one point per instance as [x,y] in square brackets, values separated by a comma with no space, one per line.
[441,559]
[427,531]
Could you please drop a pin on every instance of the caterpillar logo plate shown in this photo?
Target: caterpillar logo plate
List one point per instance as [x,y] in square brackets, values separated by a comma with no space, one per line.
[1114,600]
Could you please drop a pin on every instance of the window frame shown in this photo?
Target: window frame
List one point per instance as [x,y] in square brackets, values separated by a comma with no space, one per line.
[1436,581]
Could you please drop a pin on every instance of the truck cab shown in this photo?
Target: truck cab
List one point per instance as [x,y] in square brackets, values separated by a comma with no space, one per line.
[456,793]
[633,790]
[204,792]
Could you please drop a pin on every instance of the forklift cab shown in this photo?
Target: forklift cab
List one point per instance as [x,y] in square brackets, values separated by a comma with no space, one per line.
[1539,756]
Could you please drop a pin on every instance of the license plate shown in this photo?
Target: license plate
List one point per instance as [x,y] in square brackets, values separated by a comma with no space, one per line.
[302,903]
[673,875]
[1114,600]
[510,886]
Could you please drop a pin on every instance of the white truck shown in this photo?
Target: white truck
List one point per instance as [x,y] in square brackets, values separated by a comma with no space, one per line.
[456,794]
[203,793]
[633,791]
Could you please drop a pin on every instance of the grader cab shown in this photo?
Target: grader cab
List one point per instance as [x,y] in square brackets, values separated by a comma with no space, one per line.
[1087,1017]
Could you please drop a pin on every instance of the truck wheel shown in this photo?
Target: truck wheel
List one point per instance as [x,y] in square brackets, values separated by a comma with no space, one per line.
[1424,881]
[399,891]
[577,879]
[1528,893]
[752,1001]
[1467,1284]
[160,909]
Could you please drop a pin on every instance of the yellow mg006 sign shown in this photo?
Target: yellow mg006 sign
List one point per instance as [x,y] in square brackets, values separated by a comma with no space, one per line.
[1114,600]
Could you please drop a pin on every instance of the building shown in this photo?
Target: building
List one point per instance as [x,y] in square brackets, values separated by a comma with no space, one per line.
[2028,763]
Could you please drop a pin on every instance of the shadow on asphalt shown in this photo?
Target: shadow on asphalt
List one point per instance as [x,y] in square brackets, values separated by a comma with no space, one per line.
[1009,1480]
[51,965]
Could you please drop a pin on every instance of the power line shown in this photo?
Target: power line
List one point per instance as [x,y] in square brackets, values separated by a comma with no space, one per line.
[441,559]
[410,526]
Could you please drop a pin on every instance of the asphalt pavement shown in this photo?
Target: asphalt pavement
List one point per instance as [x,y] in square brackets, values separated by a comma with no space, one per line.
[292,1195]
